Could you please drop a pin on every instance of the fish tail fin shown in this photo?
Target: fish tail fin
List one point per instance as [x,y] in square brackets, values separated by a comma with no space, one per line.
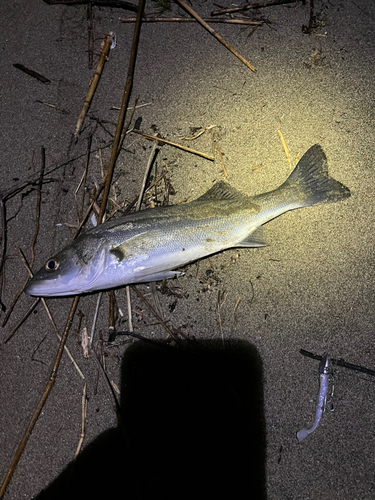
[310,183]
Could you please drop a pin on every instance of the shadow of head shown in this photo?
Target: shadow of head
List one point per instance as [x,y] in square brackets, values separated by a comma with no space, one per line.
[191,426]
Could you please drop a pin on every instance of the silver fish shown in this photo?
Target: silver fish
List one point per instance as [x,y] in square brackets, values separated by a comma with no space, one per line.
[149,245]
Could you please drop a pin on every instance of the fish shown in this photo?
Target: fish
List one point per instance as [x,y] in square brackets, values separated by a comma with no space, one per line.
[321,398]
[150,245]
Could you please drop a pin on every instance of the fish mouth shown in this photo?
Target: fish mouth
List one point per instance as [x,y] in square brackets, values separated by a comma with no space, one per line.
[66,284]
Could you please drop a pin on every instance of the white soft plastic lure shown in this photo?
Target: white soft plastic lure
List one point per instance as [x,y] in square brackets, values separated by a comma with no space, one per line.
[149,245]
[321,399]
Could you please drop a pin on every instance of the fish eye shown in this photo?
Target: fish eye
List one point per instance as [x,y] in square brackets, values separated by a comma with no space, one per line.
[52,265]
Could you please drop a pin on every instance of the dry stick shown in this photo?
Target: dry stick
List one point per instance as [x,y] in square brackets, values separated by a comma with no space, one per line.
[21,321]
[124,105]
[111,314]
[285,147]
[43,399]
[171,332]
[246,6]
[128,302]
[216,35]
[121,4]
[106,45]
[100,188]
[38,201]
[145,177]
[127,126]
[90,33]
[189,20]
[15,300]
[49,315]
[3,249]
[95,317]
[83,179]
[179,146]
[83,419]
[340,362]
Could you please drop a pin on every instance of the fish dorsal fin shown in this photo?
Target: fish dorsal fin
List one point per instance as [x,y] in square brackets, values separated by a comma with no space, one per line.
[222,191]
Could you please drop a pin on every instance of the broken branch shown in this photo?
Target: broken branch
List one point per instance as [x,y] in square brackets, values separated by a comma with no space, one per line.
[216,35]
[106,45]
[158,139]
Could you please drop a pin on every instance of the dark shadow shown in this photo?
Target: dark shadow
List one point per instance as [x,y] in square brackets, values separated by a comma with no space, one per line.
[193,429]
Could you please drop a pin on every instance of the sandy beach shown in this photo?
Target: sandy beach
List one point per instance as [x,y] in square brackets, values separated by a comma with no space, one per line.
[214,415]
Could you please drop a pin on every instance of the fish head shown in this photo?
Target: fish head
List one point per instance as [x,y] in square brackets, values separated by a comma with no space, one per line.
[76,269]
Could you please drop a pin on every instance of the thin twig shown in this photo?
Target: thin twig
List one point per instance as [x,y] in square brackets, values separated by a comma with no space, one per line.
[145,177]
[82,182]
[127,126]
[247,6]
[179,146]
[128,301]
[121,4]
[111,313]
[150,19]
[22,320]
[43,399]
[286,150]
[14,302]
[38,202]
[106,45]
[171,332]
[339,362]
[99,190]
[3,250]
[83,419]
[216,35]
[90,35]
[95,317]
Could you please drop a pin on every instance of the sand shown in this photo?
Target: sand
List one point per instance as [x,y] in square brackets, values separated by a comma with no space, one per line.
[216,417]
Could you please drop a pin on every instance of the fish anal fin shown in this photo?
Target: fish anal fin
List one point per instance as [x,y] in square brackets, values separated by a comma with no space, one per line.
[162,275]
[255,239]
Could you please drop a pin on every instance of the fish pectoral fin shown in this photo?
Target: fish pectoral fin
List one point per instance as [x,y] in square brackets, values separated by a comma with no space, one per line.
[118,253]
[132,246]
[163,275]
[255,239]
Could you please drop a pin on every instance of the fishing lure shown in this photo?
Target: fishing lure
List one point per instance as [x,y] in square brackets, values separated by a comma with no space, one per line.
[321,399]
